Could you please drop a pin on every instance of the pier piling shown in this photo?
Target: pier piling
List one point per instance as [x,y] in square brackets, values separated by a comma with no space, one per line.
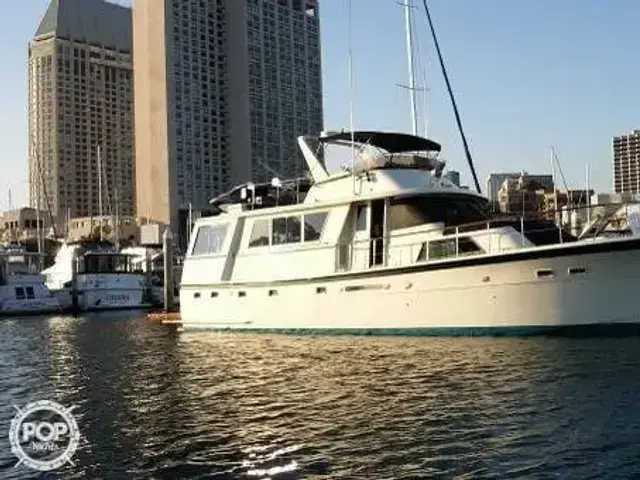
[167,252]
[75,307]
[148,281]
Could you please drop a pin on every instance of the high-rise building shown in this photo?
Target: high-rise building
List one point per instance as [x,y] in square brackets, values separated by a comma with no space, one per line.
[81,98]
[525,194]
[495,182]
[453,176]
[626,163]
[222,90]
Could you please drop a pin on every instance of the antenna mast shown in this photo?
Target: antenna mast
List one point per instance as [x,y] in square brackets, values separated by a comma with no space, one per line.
[412,91]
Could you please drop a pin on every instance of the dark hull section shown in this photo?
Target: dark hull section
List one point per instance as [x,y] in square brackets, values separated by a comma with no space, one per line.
[608,330]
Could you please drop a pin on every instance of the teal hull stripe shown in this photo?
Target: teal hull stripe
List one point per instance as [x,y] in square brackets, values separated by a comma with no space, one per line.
[617,330]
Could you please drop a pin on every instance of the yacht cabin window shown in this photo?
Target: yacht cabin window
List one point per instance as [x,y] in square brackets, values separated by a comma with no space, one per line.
[105,263]
[313,226]
[209,239]
[287,230]
[361,218]
[259,234]
[446,248]
[450,209]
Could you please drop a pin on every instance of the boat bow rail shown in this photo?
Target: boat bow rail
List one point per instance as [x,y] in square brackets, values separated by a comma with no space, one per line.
[488,238]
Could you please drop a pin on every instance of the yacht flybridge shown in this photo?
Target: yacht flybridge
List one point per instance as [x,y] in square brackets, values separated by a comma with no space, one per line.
[391,246]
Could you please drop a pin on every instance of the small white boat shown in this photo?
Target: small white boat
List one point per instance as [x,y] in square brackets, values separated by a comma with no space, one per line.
[22,288]
[106,279]
[393,247]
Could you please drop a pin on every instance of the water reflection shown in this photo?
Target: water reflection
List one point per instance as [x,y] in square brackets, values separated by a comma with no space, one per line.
[155,403]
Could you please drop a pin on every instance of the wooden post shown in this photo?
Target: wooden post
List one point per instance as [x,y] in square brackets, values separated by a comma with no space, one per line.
[167,251]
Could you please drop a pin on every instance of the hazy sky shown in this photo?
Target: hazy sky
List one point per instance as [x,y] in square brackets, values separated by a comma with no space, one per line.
[527,75]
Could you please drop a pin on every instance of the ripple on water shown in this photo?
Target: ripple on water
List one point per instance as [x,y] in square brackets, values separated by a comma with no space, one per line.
[152,403]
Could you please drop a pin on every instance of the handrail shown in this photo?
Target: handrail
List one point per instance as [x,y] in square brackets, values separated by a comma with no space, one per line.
[395,236]
[347,257]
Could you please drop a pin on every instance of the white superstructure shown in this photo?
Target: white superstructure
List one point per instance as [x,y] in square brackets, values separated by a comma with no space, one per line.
[22,288]
[394,247]
[105,280]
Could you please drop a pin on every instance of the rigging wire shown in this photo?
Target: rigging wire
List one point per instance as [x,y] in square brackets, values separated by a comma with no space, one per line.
[451,96]
[40,173]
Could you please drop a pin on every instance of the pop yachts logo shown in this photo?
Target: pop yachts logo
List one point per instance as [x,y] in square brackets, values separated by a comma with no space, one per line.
[44,435]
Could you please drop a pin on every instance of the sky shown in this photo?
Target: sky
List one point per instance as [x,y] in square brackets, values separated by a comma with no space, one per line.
[528,75]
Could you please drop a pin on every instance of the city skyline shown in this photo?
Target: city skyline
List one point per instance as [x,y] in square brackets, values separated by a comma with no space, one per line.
[521,86]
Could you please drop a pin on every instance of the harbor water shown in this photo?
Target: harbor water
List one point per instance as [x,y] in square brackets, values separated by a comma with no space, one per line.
[154,403]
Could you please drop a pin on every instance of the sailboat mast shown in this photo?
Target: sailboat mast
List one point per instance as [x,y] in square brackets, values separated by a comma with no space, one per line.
[424,114]
[189,223]
[37,183]
[588,196]
[412,91]
[556,214]
[38,230]
[100,192]
[116,223]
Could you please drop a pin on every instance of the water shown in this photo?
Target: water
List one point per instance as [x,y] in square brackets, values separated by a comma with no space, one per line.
[153,403]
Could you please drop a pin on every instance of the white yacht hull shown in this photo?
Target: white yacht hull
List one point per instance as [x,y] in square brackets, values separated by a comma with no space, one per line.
[490,295]
[107,292]
[36,306]
[26,295]
[104,299]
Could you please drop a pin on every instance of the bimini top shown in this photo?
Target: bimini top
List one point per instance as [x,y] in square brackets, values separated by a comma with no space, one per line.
[390,141]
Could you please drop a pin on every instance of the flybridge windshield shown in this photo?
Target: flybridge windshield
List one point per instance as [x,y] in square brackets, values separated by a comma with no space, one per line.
[448,209]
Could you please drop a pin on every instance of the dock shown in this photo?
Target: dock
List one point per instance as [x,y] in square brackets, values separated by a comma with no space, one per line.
[166,318]
[169,315]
